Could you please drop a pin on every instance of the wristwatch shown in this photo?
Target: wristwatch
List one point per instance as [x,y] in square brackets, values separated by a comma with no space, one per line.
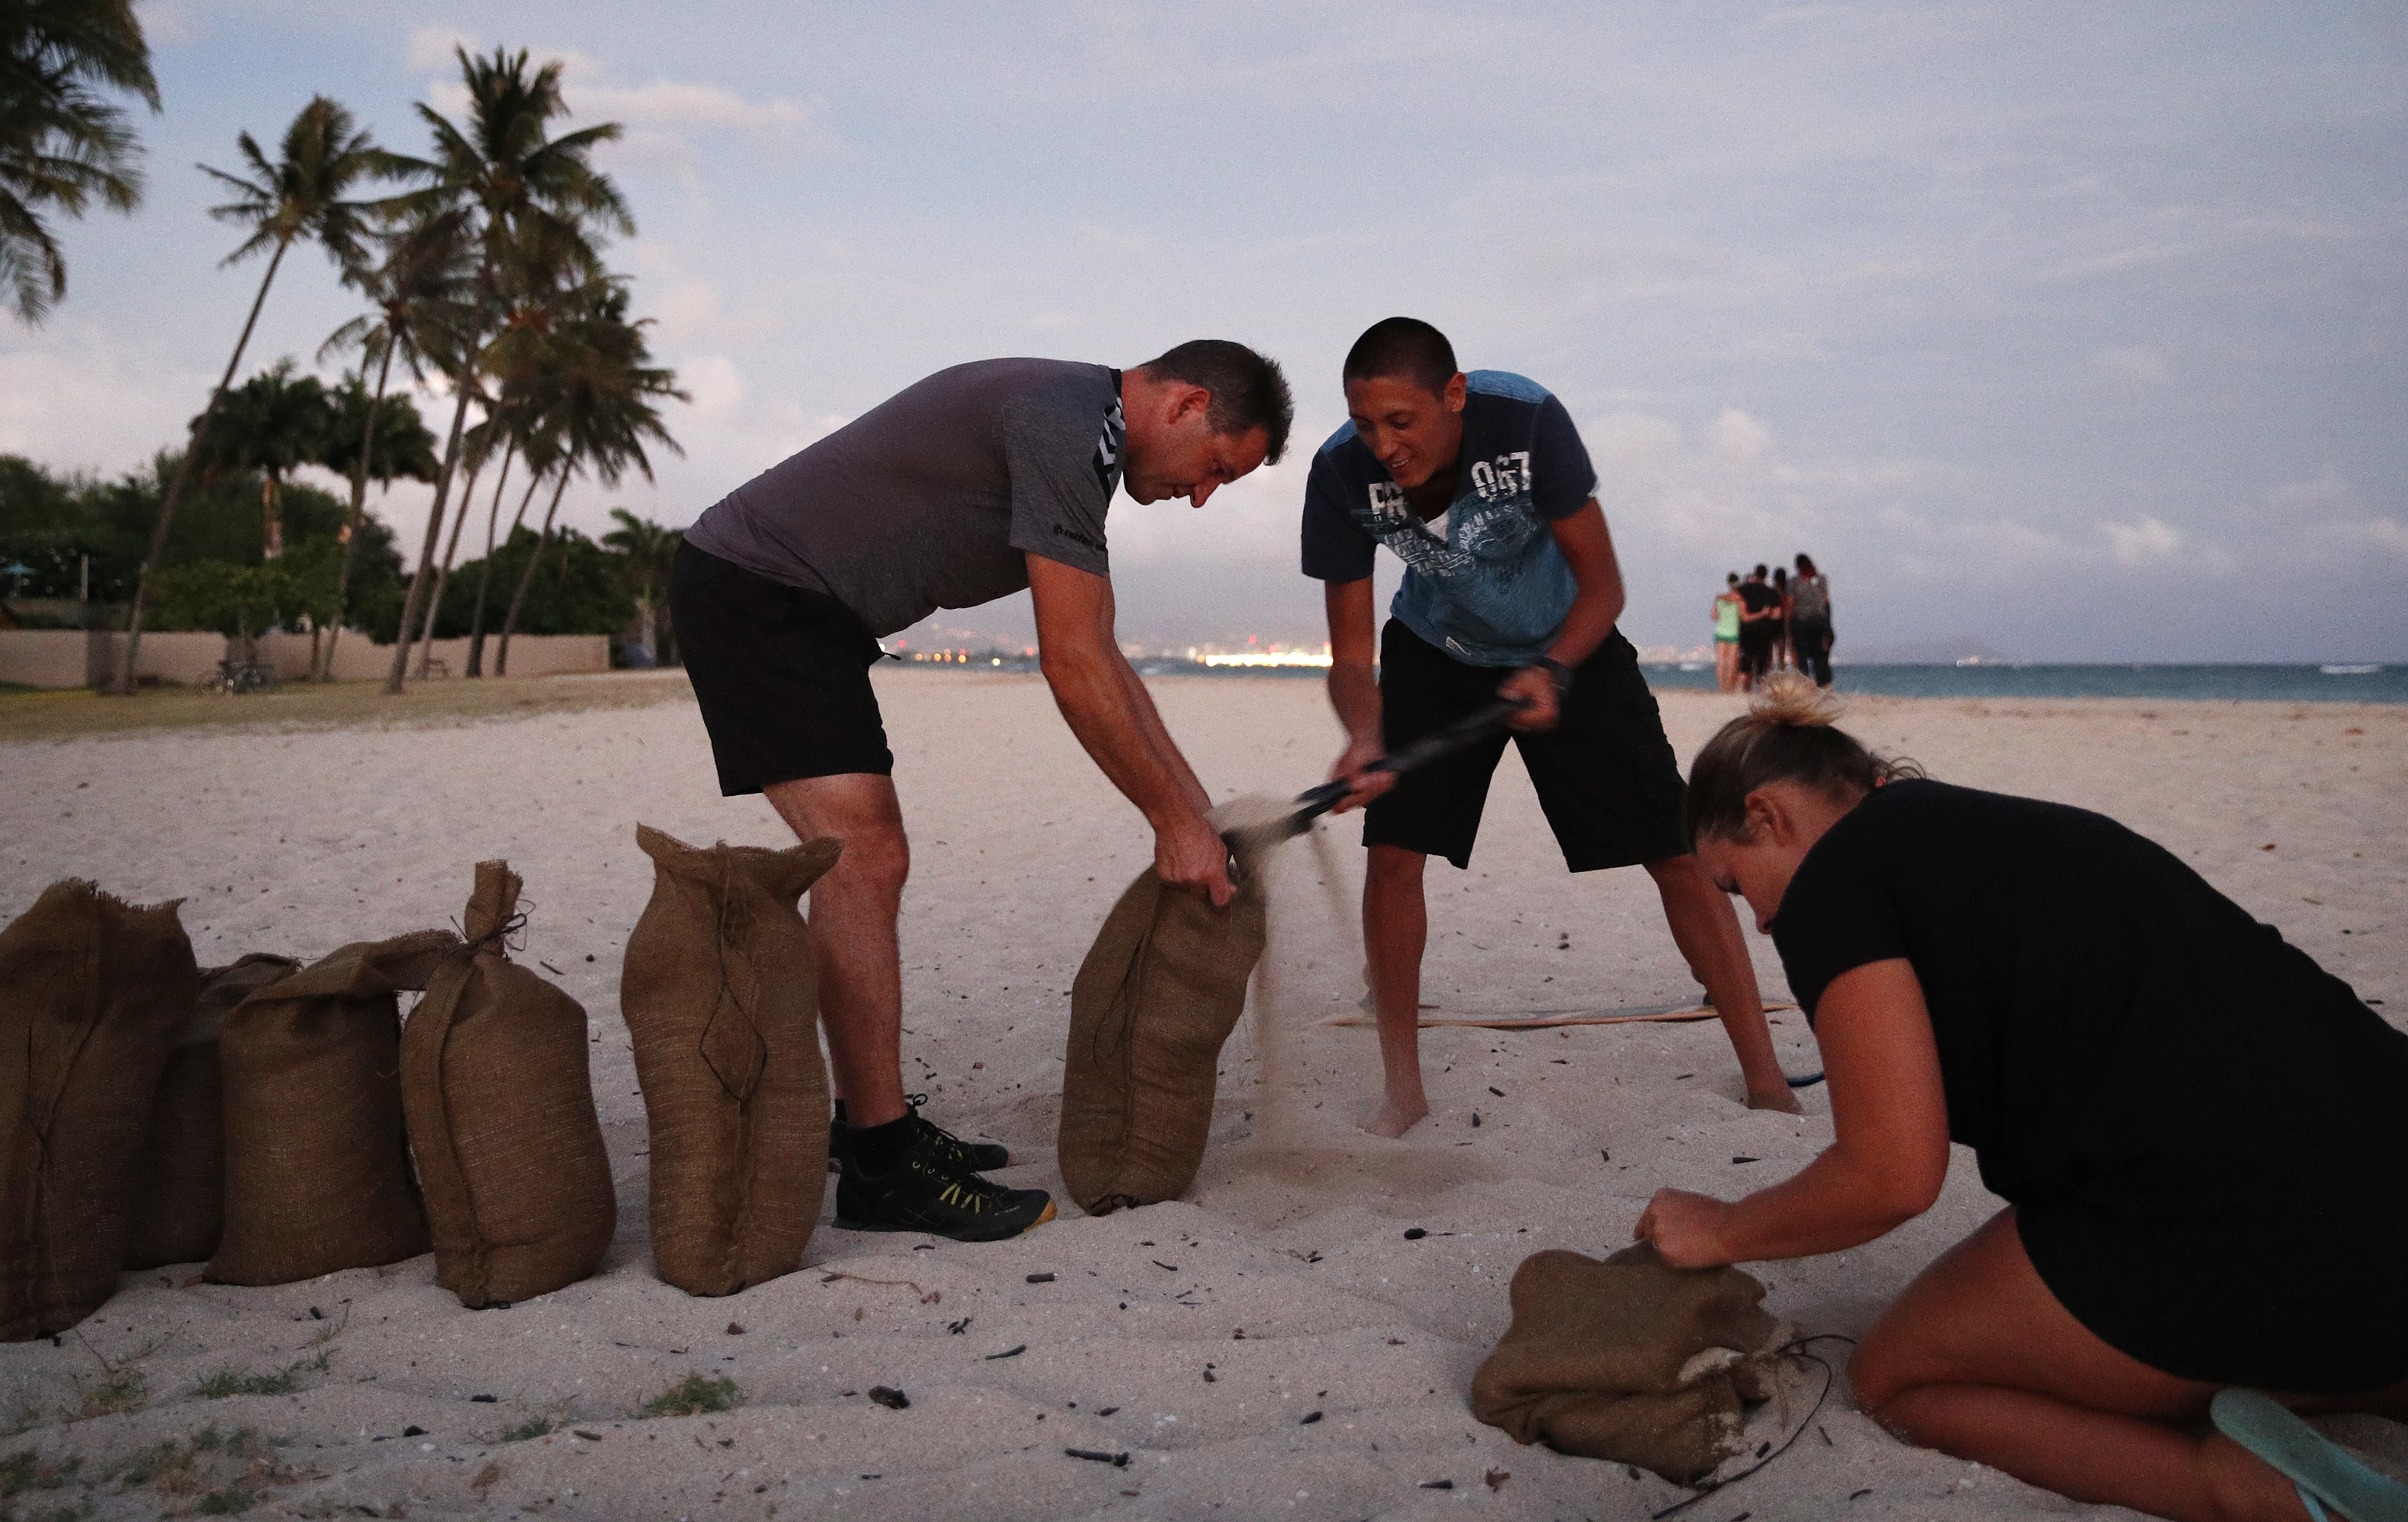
[1556,670]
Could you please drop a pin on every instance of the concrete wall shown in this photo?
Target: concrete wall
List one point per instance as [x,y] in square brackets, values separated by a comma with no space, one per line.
[75,657]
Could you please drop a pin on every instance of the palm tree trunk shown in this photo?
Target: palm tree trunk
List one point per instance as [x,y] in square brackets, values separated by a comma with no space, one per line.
[352,519]
[451,552]
[183,471]
[485,576]
[502,659]
[418,583]
[271,528]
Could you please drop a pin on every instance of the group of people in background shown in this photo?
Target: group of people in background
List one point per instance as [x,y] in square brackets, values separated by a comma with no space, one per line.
[1779,622]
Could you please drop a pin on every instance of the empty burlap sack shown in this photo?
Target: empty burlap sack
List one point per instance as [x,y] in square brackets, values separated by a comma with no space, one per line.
[180,1175]
[500,1099]
[1629,1360]
[721,993]
[1161,989]
[91,991]
[317,1168]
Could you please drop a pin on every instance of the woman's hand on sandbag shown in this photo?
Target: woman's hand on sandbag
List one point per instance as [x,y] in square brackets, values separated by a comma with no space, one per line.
[1686,1229]
[1362,786]
[1189,853]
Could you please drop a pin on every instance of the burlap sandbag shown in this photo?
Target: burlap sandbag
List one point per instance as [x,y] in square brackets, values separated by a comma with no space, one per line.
[499,1096]
[1618,1360]
[1159,992]
[180,1175]
[317,1168]
[91,991]
[721,993]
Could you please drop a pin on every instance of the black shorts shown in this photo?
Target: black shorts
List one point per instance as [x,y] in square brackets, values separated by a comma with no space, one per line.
[782,676]
[1605,774]
[1755,648]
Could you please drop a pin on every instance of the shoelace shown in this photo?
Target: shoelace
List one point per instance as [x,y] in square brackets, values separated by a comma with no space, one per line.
[915,1101]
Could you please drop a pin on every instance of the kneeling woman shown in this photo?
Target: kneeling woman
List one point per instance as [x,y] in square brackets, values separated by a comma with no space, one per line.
[2202,1137]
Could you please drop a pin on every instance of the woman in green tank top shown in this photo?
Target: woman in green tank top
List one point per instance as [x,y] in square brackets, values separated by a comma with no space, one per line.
[1727,611]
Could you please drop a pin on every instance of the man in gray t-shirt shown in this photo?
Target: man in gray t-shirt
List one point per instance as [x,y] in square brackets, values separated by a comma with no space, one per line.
[971,485]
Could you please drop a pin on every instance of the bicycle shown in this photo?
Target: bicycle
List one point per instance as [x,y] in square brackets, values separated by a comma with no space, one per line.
[233,676]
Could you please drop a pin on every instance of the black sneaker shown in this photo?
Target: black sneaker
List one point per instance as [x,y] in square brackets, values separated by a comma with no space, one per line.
[971,1156]
[925,1194]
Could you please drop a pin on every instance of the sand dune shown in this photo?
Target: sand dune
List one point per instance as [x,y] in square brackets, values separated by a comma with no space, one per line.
[1197,1338]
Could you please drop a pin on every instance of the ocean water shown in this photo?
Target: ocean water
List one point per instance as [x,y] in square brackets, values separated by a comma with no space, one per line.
[2355,683]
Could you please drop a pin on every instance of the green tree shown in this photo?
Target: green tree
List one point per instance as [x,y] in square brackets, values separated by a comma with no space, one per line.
[272,423]
[62,143]
[419,278]
[607,410]
[648,549]
[519,183]
[304,193]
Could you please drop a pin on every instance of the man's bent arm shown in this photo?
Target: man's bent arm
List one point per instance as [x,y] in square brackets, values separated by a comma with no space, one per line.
[1597,607]
[1354,688]
[1587,546]
[1354,685]
[1107,709]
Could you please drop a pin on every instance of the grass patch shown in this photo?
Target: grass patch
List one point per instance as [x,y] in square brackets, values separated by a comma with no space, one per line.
[65,716]
[226,1382]
[535,1427]
[284,1381]
[123,1391]
[28,1470]
[694,1396]
[231,1502]
[209,1473]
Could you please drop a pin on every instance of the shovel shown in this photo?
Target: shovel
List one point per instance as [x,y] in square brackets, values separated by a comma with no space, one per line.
[1312,803]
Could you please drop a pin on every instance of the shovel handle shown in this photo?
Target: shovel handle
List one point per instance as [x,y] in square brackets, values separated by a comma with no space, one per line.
[1466,732]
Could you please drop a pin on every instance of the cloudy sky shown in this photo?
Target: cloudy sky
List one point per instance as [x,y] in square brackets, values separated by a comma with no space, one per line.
[2075,329]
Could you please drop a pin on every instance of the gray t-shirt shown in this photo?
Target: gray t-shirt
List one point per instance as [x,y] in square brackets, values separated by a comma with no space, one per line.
[931,499]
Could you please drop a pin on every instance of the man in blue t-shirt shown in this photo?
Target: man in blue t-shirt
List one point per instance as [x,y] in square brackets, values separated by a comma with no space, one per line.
[1481,487]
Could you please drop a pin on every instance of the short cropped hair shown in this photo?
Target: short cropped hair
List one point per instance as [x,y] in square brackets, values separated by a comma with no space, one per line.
[1249,390]
[1405,348]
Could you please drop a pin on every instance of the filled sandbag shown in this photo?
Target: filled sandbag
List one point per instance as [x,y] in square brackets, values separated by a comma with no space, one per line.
[1161,989]
[317,1167]
[91,991]
[1629,1360]
[721,994]
[499,1096]
[179,1175]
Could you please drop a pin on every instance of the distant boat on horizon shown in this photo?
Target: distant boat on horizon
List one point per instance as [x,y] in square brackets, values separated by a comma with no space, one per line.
[2350,671]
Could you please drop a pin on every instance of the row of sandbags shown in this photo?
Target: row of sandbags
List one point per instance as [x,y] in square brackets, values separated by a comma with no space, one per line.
[263,1115]
[266,1116]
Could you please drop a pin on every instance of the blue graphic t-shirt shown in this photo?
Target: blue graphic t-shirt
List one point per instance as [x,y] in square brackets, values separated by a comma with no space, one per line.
[1486,584]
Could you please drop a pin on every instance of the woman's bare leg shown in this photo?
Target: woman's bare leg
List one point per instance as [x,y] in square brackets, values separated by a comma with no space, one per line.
[1978,1359]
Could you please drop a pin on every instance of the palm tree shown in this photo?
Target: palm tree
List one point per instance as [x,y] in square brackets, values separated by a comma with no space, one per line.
[648,549]
[604,414]
[304,193]
[271,424]
[519,184]
[60,143]
[421,276]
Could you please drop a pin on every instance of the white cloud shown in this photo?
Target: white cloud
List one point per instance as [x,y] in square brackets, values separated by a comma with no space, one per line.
[713,381]
[2150,539]
[685,308]
[1736,436]
[431,47]
[661,118]
[2131,364]
[166,25]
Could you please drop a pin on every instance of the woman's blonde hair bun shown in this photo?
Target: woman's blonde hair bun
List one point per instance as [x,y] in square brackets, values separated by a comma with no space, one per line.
[1791,698]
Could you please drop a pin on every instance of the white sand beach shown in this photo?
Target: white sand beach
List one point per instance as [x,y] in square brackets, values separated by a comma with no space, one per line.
[1273,1345]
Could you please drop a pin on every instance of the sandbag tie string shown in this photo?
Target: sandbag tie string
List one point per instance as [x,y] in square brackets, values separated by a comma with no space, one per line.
[498,939]
[1830,1376]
